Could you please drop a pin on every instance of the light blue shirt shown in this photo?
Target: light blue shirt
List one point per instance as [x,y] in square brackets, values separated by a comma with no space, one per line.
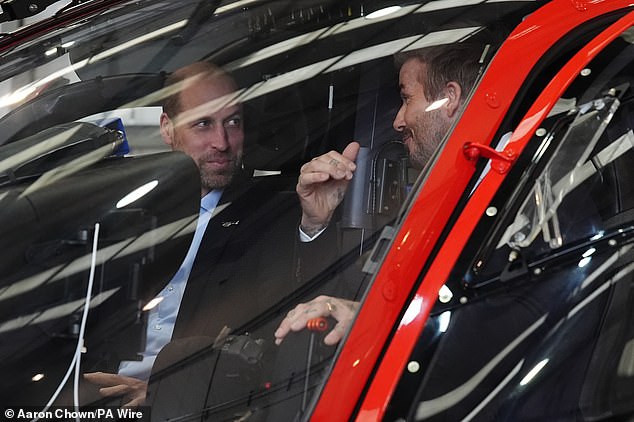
[161,318]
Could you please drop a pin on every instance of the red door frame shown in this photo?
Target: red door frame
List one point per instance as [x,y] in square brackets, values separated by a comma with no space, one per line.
[354,368]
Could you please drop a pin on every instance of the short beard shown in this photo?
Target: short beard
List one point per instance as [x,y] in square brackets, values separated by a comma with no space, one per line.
[218,180]
[427,137]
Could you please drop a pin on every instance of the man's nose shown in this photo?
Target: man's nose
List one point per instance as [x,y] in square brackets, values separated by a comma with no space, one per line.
[219,139]
[399,122]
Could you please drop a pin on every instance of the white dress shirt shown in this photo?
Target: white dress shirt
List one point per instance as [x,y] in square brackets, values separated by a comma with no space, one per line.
[162,317]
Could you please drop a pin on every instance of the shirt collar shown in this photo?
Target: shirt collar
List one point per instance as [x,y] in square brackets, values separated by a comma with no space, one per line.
[210,201]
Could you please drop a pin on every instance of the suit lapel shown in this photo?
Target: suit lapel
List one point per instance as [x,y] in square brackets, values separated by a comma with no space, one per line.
[221,245]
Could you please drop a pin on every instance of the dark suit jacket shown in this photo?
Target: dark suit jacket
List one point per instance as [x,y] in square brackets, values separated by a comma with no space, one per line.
[245,258]
[249,272]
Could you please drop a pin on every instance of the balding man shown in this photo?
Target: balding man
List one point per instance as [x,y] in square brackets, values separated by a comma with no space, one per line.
[202,118]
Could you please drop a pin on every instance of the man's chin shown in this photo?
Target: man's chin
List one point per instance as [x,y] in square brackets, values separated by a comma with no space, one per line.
[217,181]
[418,159]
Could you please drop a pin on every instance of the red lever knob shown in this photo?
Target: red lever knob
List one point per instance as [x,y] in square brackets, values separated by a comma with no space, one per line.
[317,324]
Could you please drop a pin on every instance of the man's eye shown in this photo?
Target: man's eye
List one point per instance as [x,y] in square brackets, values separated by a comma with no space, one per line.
[202,124]
[235,122]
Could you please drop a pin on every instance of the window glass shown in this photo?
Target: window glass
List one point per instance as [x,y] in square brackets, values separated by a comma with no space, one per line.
[95,204]
[540,327]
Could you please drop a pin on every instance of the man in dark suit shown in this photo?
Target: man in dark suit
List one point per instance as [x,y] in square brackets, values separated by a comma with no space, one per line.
[202,118]
[244,261]
[249,264]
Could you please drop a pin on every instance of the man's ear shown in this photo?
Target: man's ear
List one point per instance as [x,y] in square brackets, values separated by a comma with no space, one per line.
[167,129]
[454,95]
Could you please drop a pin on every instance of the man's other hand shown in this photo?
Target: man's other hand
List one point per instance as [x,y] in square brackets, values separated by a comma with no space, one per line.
[342,310]
[322,185]
[132,390]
